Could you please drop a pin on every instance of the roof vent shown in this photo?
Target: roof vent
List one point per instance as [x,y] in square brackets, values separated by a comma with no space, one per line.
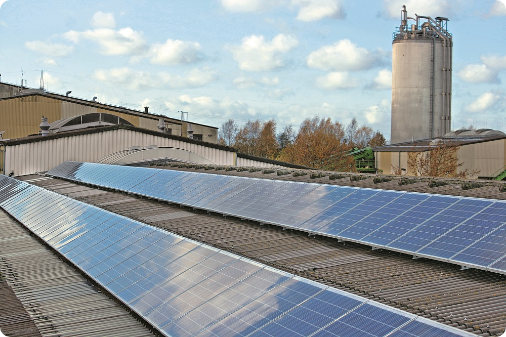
[146,109]
[44,126]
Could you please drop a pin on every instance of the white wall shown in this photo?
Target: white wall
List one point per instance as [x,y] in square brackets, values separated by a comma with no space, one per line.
[44,155]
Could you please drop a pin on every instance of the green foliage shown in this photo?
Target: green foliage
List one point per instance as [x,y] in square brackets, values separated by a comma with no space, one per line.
[378,180]
[437,183]
[470,186]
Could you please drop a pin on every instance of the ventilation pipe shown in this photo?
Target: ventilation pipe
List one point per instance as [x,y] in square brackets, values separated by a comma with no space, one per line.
[189,131]
[146,108]
[44,126]
[161,125]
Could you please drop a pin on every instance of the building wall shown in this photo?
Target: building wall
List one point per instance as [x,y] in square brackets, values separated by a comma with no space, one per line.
[254,163]
[21,117]
[486,157]
[28,158]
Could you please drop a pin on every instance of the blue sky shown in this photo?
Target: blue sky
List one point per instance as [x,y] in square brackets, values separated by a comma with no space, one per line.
[249,59]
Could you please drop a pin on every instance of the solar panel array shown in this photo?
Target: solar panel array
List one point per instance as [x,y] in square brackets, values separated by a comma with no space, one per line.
[466,231]
[185,288]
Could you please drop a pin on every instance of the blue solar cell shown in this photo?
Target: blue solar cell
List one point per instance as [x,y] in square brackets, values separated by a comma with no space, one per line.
[425,328]
[367,320]
[313,314]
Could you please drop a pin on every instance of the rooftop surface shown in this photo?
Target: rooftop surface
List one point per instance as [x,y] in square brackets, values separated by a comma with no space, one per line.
[41,295]
[472,300]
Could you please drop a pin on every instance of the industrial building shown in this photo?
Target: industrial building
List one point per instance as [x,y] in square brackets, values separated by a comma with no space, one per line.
[482,151]
[421,79]
[21,110]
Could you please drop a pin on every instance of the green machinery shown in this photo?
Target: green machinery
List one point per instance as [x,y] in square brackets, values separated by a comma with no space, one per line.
[499,175]
[364,159]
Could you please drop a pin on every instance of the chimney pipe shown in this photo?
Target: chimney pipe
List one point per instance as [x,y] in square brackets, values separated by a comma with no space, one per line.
[44,126]
[146,108]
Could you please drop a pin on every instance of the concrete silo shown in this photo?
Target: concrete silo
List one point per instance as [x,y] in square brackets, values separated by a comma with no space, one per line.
[421,79]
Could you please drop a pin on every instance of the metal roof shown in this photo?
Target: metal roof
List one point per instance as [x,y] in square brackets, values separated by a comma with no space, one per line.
[472,300]
[53,298]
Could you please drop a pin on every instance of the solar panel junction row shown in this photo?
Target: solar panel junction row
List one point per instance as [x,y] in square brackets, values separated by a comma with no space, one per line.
[469,232]
[185,288]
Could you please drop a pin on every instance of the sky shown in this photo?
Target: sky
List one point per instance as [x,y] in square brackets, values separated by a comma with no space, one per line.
[286,60]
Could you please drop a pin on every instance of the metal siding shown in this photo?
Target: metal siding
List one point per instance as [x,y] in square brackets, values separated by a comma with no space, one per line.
[71,109]
[44,155]
[21,116]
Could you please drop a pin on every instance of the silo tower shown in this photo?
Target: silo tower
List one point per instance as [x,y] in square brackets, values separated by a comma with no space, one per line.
[421,78]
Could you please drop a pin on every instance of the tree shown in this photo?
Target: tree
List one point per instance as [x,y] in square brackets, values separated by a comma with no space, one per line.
[377,140]
[319,145]
[246,140]
[440,160]
[363,137]
[286,137]
[227,133]
[351,131]
[267,144]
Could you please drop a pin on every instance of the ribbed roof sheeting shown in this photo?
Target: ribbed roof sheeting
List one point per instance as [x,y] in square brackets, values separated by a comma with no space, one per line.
[467,231]
[185,288]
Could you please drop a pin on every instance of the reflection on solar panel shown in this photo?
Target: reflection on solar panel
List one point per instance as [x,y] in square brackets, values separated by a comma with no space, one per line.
[466,231]
[184,288]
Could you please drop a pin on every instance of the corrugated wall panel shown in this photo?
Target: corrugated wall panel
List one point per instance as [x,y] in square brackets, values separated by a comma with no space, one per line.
[44,155]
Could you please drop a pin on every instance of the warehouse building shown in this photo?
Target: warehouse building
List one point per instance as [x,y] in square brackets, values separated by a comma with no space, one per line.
[482,151]
[21,110]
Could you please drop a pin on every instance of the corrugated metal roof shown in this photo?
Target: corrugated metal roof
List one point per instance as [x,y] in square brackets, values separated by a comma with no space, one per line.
[472,300]
[55,299]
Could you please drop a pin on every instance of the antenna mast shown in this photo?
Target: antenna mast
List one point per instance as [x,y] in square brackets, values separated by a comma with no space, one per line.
[42,80]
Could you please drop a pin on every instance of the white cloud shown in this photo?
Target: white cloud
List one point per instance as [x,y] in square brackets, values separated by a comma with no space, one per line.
[494,62]
[308,10]
[125,41]
[428,7]
[2,2]
[175,52]
[478,73]
[383,80]
[313,10]
[206,107]
[141,79]
[498,8]
[375,114]
[51,49]
[247,6]
[336,80]
[49,62]
[280,93]
[485,101]
[256,54]
[103,20]
[270,81]
[246,83]
[343,56]
[487,72]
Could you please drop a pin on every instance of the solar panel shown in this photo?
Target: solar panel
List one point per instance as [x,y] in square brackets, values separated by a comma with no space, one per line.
[454,229]
[183,287]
